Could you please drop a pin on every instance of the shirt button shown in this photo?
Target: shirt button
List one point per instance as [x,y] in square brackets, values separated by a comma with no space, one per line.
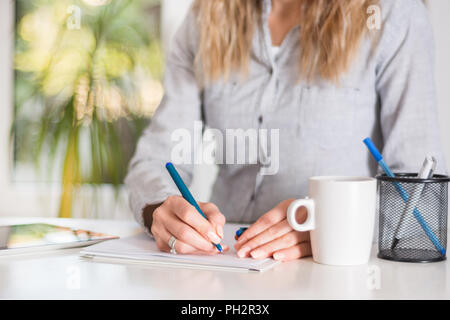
[260,119]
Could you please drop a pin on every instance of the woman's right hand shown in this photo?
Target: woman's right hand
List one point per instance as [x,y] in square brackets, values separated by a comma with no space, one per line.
[195,235]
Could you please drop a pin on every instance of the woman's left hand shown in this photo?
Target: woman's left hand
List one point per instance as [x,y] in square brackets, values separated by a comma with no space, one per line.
[272,236]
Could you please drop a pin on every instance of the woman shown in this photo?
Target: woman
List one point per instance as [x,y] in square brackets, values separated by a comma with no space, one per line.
[314,70]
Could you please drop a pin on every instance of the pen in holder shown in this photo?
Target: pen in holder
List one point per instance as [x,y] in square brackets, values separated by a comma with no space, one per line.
[412,226]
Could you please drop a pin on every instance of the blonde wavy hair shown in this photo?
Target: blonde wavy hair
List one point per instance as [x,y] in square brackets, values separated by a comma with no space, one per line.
[330,35]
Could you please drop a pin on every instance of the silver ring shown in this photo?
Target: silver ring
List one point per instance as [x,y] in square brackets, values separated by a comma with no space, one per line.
[172,242]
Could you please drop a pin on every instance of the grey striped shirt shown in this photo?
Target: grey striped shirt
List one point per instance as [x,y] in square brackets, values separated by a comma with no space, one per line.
[388,94]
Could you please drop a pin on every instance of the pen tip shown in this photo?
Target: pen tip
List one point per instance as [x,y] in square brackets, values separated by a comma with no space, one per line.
[219,247]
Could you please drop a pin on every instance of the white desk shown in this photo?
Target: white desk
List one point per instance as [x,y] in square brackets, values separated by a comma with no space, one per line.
[63,275]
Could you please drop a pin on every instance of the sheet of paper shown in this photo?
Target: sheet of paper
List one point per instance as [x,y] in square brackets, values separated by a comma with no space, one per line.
[143,248]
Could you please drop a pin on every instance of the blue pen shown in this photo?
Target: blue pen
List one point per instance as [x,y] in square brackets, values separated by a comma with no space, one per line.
[186,193]
[379,158]
[240,231]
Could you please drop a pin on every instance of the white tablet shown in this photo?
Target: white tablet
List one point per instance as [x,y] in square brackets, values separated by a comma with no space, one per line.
[28,238]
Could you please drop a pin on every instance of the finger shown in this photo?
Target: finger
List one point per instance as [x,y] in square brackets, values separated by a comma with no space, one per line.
[267,220]
[288,240]
[301,216]
[298,251]
[187,234]
[162,237]
[189,215]
[266,236]
[214,216]
[183,248]
[162,241]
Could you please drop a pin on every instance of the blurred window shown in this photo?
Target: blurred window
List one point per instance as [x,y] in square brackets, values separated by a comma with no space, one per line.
[87,79]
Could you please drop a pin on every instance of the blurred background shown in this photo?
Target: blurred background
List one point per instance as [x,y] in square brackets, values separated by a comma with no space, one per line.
[80,80]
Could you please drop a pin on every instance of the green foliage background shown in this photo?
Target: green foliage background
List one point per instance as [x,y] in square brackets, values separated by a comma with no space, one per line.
[87,80]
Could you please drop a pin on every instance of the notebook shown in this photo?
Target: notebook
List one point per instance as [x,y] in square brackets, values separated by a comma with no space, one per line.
[142,249]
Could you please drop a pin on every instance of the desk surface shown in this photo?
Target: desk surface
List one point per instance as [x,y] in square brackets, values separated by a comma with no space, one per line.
[63,275]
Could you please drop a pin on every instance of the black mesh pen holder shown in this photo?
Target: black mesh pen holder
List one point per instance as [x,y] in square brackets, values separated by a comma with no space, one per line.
[413,217]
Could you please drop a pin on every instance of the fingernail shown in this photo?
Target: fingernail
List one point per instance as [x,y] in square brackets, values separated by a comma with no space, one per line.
[243,252]
[257,253]
[219,230]
[278,256]
[214,237]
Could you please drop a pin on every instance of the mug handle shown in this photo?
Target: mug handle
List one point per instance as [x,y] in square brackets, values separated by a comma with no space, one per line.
[310,208]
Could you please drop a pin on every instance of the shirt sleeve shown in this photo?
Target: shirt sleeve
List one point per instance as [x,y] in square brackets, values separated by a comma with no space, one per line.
[147,181]
[406,88]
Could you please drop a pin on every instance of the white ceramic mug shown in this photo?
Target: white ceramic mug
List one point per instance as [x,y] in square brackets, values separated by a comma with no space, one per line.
[341,218]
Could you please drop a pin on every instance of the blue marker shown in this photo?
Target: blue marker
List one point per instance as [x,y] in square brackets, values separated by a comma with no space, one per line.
[186,193]
[379,158]
[240,231]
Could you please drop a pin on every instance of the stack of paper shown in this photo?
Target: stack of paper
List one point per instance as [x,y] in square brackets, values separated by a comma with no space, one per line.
[142,249]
